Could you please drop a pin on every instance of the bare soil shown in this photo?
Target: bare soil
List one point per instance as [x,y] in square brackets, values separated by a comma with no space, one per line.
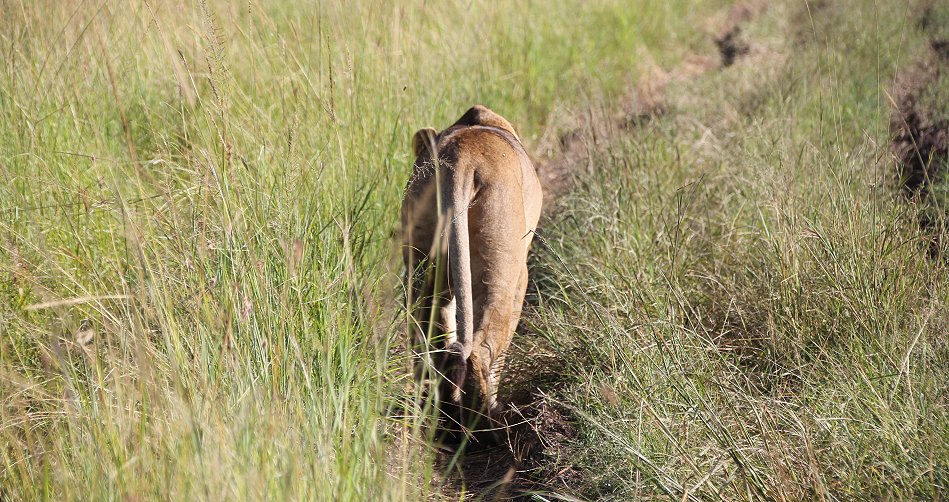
[920,136]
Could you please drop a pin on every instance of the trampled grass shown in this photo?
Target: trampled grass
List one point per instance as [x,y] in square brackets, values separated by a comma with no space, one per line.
[199,283]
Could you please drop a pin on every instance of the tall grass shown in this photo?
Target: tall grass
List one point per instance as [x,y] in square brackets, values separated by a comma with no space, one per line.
[198,288]
[752,312]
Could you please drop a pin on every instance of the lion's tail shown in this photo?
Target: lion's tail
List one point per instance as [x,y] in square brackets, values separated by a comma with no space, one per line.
[456,195]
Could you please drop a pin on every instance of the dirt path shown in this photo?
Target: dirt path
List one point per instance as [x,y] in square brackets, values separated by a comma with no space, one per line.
[520,466]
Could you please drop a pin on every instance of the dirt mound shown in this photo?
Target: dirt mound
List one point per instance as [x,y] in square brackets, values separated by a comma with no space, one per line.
[920,137]
[731,46]
[729,41]
[921,134]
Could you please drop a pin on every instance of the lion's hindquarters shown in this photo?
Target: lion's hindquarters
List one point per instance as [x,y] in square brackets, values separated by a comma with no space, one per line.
[499,225]
[478,206]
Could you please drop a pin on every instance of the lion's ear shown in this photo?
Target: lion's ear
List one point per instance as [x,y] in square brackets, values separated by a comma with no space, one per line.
[423,140]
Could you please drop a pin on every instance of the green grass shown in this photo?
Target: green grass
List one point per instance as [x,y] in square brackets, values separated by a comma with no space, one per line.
[199,281]
[753,314]
[201,199]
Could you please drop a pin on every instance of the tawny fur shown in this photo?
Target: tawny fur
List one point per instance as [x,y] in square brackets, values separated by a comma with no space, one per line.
[490,203]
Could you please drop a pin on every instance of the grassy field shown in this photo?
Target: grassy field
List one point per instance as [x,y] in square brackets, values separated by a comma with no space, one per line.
[752,313]
[200,286]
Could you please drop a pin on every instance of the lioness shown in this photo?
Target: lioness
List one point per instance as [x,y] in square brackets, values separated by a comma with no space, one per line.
[473,201]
